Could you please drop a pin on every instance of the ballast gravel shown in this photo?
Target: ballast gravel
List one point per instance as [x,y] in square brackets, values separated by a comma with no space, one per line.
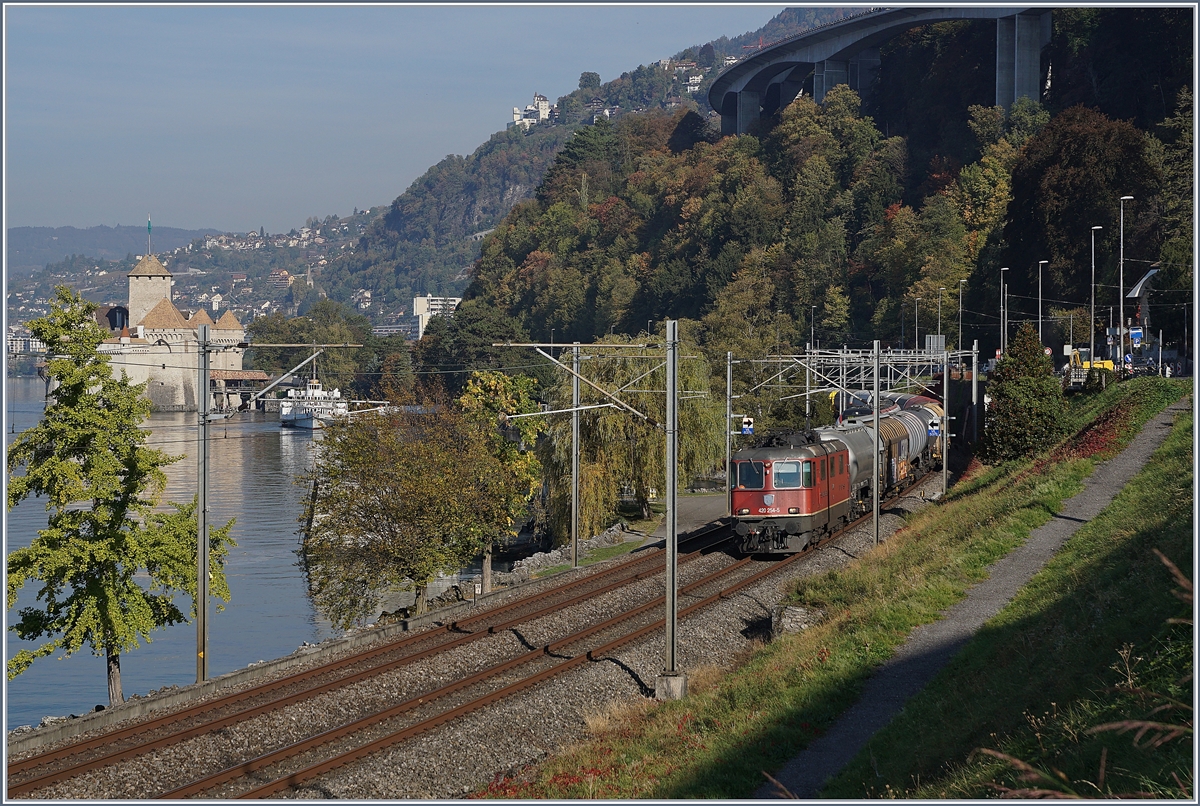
[467,754]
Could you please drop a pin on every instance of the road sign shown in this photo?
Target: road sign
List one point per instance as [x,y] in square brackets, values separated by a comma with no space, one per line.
[1135,333]
[747,426]
[1048,351]
[935,431]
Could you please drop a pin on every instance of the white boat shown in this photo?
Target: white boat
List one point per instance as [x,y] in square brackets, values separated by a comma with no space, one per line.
[311,407]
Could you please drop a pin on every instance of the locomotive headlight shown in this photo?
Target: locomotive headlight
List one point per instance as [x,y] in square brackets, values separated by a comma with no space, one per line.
[793,510]
[743,512]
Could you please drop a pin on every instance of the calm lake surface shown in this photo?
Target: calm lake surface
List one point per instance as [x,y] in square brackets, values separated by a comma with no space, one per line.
[252,466]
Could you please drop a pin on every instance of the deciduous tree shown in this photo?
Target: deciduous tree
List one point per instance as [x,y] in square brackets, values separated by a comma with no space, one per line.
[488,402]
[398,498]
[618,448]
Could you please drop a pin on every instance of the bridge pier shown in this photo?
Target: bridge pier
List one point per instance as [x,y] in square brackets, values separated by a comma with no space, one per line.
[747,110]
[859,71]
[847,52]
[1019,42]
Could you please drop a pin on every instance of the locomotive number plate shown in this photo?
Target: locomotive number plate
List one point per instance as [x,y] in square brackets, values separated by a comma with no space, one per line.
[768,510]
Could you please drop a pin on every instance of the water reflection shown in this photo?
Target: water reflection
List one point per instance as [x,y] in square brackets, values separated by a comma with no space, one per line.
[252,467]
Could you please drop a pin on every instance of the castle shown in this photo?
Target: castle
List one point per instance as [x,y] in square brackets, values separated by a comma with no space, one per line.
[155,344]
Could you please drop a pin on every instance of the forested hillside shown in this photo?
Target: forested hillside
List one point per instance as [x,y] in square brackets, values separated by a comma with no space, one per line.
[825,217]
[831,224]
[423,244]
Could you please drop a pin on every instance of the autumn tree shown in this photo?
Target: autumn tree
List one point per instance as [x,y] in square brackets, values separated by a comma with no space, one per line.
[1025,415]
[108,563]
[398,497]
[746,321]
[489,401]
[1068,179]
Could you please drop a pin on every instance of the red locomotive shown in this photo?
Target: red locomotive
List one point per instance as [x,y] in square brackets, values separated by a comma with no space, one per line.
[793,489]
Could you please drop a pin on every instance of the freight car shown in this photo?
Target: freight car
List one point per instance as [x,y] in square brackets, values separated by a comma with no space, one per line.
[791,490]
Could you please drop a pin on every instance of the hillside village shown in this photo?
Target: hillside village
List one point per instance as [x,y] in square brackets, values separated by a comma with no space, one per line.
[248,274]
[690,79]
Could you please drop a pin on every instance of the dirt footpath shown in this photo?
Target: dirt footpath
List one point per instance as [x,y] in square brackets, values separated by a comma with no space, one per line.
[931,646]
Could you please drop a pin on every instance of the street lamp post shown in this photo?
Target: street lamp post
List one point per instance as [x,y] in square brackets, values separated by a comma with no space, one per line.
[1040,264]
[1092,323]
[1121,263]
[916,323]
[941,291]
[812,328]
[1003,311]
[960,289]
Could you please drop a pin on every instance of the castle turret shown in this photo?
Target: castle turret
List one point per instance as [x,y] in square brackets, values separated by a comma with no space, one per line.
[149,284]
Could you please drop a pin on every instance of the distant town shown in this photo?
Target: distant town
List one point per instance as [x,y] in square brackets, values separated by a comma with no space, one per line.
[249,274]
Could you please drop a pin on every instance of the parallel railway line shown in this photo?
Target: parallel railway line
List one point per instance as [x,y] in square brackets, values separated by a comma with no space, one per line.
[362,734]
[44,769]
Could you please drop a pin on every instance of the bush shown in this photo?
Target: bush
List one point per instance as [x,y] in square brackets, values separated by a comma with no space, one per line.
[1025,415]
[1097,380]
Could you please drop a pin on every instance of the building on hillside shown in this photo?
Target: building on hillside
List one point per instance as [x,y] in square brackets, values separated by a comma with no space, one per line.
[428,306]
[534,113]
[153,343]
[19,343]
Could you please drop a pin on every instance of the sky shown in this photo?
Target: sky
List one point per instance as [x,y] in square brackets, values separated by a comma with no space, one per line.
[238,117]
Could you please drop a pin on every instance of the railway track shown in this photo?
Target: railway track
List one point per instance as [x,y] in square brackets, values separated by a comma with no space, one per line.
[376,732]
[51,767]
[297,762]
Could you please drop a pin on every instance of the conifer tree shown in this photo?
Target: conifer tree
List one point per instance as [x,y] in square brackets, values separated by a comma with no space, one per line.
[1025,415]
[108,564]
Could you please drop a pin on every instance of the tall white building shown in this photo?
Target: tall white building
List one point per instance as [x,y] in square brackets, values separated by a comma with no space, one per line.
[429,306]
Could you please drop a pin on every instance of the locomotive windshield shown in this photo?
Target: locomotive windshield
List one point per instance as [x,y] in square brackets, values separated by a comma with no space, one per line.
[750,475]
[787,475]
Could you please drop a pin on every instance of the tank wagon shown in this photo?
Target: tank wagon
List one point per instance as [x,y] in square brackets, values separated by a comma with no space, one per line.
[790,490]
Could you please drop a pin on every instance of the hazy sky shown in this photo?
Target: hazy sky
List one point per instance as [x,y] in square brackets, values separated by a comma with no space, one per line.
[237,117]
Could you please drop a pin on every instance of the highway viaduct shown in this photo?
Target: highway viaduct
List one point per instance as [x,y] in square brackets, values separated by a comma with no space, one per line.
[847,52]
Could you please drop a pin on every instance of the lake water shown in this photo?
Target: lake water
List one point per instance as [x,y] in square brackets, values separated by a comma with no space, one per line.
[252,466]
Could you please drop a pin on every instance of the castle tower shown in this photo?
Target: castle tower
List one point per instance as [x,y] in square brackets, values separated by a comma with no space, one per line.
[149,284]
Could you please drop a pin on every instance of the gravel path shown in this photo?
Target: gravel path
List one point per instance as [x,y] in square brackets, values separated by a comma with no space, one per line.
[931,646]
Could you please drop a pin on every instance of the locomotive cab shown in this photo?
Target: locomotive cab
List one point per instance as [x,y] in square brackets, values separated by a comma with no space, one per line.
[782,498]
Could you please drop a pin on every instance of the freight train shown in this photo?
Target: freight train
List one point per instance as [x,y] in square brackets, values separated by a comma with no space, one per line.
[792,489]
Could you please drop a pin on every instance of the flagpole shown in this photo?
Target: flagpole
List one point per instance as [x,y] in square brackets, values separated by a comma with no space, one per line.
[147,234]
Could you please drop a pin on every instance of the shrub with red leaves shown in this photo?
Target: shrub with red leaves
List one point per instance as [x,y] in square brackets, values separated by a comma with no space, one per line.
[1099,438]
